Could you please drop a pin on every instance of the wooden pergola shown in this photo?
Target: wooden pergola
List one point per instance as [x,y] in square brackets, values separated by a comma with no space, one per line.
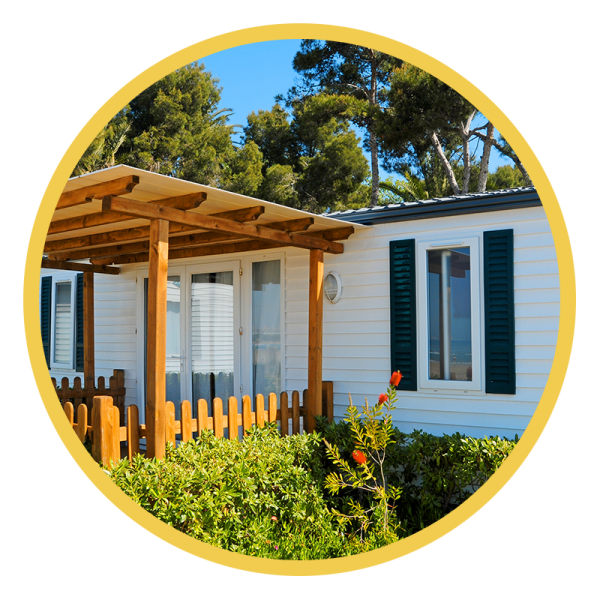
[123,216]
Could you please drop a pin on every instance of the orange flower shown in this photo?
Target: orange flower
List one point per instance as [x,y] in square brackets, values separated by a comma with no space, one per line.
[359,457]
[396,377]
[383,398]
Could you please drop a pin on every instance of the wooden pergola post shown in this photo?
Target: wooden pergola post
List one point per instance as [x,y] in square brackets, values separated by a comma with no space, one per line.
[157,334]
[315,338]
[89,376]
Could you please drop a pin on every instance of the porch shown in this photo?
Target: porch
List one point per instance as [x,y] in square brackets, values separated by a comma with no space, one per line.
[104,218]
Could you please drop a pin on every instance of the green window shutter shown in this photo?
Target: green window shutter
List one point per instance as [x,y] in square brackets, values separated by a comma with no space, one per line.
[79,324]
[498,269]
[46,316]
[403,312]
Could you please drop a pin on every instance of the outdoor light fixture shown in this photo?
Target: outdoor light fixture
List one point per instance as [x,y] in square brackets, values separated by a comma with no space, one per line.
[332,287]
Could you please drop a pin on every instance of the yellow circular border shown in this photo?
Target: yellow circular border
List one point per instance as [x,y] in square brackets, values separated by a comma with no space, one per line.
[567,298]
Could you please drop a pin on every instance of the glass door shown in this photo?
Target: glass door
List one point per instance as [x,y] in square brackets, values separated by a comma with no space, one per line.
[213,326]
[203,334]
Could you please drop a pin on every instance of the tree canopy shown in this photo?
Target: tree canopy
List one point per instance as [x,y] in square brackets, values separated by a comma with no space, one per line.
[304,152]
[311,160]
[352,82]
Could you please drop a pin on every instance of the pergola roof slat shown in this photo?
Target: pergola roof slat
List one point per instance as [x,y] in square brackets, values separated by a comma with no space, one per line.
[116,187]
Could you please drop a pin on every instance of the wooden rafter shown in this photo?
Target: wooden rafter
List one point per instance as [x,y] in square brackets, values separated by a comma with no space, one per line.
[80,267]
[241,215]
[183,203]
[149,211]
[116,187]
[227,248]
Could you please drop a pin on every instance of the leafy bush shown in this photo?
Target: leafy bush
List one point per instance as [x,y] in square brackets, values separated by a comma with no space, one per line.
[367,475]
[267,496]
[261,497]
[435,474]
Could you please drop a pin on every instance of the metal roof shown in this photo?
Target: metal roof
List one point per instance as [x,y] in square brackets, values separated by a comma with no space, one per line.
[508,199]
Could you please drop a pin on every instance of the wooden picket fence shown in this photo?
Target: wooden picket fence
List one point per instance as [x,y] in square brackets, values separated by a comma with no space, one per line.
[77,395]
[108,435]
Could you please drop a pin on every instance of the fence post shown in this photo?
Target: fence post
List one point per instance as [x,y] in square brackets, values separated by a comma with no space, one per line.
[186,421]
[82,422]
[232,422]
[246,413]
[103,430]
[133,431]
[328,400]
[283,407]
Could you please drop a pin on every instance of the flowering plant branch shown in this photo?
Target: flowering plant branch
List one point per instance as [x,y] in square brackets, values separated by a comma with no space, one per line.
[372,433]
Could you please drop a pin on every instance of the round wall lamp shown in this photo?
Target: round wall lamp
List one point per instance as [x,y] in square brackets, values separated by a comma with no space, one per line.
[332,287]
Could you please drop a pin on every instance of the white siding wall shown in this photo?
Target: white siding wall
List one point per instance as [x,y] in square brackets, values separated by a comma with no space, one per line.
[356,344]
[356,330]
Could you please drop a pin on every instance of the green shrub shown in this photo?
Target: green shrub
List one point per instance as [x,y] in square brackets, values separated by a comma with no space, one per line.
[435,474]
[265,496]
[260,497]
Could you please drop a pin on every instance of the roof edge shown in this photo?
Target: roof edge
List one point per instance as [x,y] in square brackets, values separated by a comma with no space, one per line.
[445,207]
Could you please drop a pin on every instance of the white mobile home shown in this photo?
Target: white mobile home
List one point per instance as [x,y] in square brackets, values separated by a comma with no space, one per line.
[460,294]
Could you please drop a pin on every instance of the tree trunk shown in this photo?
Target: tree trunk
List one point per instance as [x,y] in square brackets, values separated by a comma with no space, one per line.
[374,168]
[372,138]
[466,136]
[445,163]
[488,142]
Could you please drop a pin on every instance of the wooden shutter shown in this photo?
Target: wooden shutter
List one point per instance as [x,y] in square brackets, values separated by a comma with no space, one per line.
[403,312]
[498,269]
[79,365]
[46,316]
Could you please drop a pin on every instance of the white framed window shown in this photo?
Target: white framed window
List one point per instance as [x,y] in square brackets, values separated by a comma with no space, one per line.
[59,318]
[449,327]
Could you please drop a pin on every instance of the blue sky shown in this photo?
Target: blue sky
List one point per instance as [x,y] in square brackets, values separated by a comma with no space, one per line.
[252,75]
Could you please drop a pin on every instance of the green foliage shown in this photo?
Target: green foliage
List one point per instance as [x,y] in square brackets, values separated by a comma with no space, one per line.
[350,83]
[409,190]
[245,170]
[506,176]
[175,127]
[260,497]
[311,161]
[102,152]
[435,473]
[298,498]
[178,129]
[367,473]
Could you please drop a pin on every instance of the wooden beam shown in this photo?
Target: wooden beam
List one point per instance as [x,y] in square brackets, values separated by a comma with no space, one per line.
[340,233]
[147,211]
[230,248]
[157,336]
[183,203]
[116,187]
[80,267]
[89,375]
[179,241]
[301,224]
[241,215]
[315,338]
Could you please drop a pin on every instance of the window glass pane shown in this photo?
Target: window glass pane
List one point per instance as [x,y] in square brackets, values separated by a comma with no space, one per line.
[266,327]
[212,337]
[449,314]
[173,358]
[63,352]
